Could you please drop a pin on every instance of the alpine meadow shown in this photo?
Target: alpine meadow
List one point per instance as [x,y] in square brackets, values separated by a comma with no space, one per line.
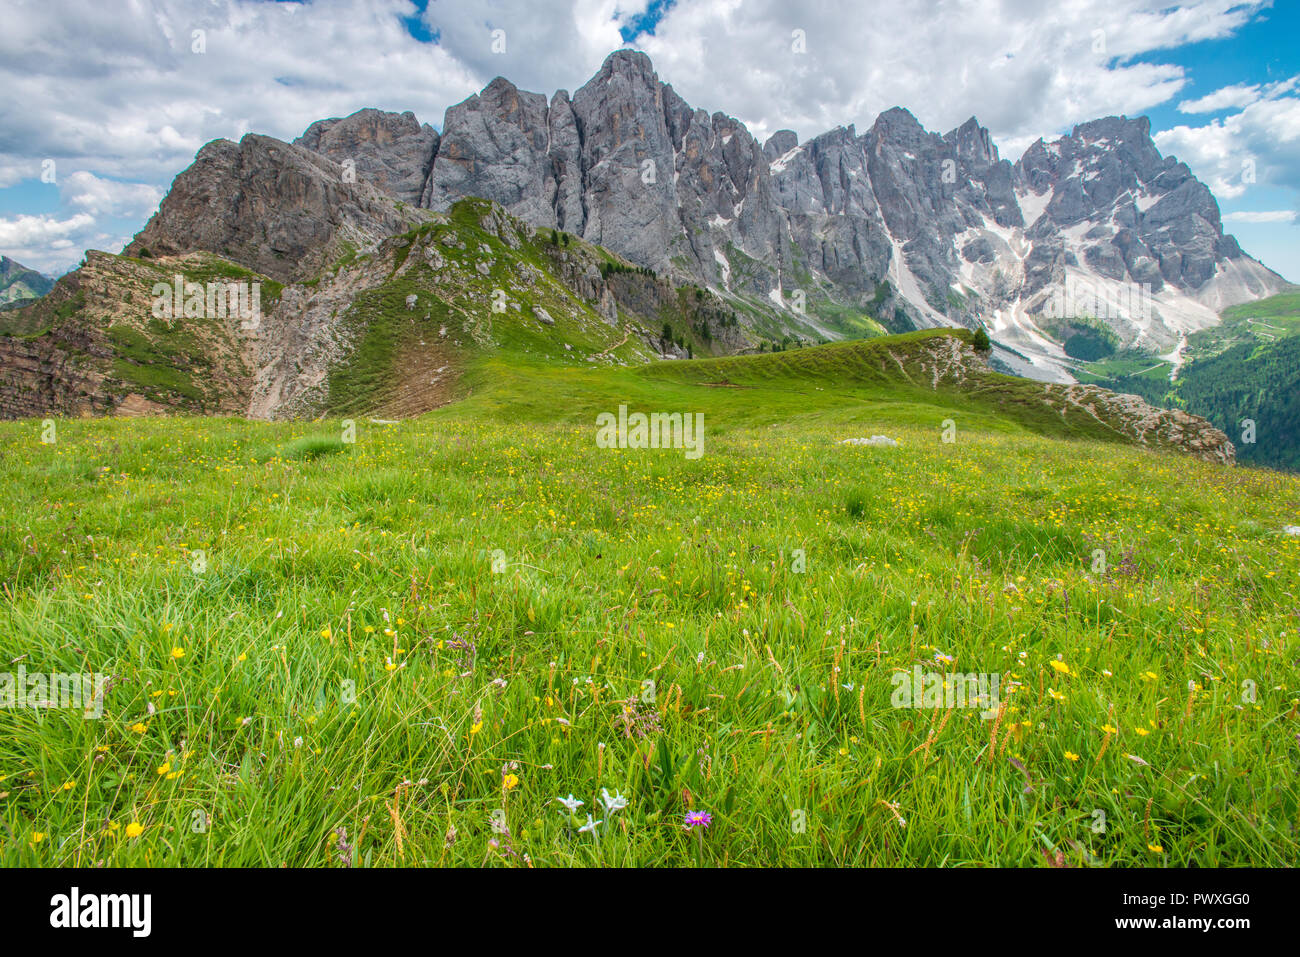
[595,480]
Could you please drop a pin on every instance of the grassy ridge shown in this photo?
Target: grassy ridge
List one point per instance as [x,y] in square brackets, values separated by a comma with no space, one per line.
[329,653]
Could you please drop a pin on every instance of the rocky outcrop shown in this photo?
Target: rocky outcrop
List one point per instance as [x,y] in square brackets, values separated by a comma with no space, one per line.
[391,151]
[280,210]
[951,360]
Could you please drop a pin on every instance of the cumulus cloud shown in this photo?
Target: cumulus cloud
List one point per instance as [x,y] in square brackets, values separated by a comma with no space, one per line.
[1228,97]
[36,230]
[156,79]
[1237,96]
[1025,69]
[84,190]
[51,244]
[1261,216]
[1256,145]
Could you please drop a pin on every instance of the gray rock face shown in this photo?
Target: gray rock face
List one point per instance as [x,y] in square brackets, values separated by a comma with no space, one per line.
[391,151]
[913,227]
[510,126]
[281,210]
[1156,223]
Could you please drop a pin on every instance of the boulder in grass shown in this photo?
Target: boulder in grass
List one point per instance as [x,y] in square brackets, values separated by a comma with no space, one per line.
[874,440]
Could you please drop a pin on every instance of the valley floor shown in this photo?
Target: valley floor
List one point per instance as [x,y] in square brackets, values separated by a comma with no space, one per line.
[404,650]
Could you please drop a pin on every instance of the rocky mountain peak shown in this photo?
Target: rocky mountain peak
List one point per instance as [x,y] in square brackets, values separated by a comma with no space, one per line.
[282,210]
[780,143]
[973,143]
[392,151]
[900,223]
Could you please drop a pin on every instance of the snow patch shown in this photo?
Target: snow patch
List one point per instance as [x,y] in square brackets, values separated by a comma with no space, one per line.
[725,266]
[1032,204]
[781,162]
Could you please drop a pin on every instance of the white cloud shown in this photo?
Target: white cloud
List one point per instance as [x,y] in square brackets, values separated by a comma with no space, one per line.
[1229,97]
[33,230]
[144,103]
[53,245]
[1261,216]
[1238,96]
[83,190]
[1257,145]
[1025,69]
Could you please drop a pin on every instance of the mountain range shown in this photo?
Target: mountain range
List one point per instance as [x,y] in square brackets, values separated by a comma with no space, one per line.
[897,224]
[687,234]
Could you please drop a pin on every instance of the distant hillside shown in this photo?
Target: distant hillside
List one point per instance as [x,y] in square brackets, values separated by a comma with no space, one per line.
[1247,369]
[17,282]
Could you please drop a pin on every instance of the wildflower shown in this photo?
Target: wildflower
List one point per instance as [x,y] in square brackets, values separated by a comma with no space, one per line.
[590,826]
[139,728]
[510,781]
[612,804]
[178,652]
[1071,756]
[1155,849]
[164,768]
[134,829]
[571,803]
[698,819]
[38,836]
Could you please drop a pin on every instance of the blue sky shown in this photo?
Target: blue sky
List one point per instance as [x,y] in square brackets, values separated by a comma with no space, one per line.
[1264,51]
[115,96]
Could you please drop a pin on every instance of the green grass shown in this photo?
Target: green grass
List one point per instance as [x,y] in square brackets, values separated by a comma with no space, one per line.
[461,618]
